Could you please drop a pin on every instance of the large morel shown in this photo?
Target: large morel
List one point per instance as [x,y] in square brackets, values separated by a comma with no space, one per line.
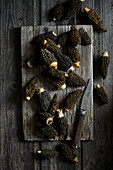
[75,37]
[84,37]
[47,154]
[49,132]
[95,18]
[67,152]
[102,93]
[56,78]
[48,58]
[74,80]
[45,118]
[57,12]
[74,55]
[31,88]
[73,8]
[64,62]
[62,124]
[72,99]
[44,99]
[104,64]
[50,45]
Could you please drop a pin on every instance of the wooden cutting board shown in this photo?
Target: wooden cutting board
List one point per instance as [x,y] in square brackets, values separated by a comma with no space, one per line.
[30,108]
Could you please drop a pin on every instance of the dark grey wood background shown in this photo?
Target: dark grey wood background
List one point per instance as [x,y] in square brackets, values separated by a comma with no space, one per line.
[15,154]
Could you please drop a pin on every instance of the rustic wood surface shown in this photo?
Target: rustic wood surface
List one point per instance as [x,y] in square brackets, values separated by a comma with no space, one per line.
[30,108]
[17,154]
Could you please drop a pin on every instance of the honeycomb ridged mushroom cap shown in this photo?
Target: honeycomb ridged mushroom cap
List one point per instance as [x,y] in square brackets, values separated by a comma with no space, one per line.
[63,86]
[60,113]
[41,90]
[105,54]
[86,9]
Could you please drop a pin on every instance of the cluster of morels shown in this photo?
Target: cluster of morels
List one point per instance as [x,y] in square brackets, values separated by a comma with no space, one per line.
[55,62]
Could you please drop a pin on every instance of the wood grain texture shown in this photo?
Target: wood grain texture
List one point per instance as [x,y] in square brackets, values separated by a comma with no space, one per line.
[14,152]
[30,117]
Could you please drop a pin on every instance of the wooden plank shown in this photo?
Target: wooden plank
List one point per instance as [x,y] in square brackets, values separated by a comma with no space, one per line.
[14,152]
[30,107]
[99,149]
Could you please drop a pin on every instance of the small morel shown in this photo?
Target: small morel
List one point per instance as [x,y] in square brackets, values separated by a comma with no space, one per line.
[95,18]
[50,45]
[57,12]
[63,38]
[67,151]
[56,78]
[49,132]
[73,8]
[74,80]
[104,64]
[102,93]
[45,118]
[47,154]
[54,105]
[64,62]
[49,58]
[84,37]
[51,35]
[72,99]
[31,87]
[75,37]
[74,55]
[32,62]
[44,99]
[62,124]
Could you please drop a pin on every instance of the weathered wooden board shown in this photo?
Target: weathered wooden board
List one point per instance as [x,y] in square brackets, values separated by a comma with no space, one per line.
[30,108]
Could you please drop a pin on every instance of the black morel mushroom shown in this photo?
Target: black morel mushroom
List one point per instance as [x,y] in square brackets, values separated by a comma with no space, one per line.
[84,37]
[68,152]
[31,87]
[47,154]
[49,58]
[50,45]
[73,8]
[51,35]
[75,37]
[44,99]
[64,62]
[74,55]
[74,80]
[54,105]
[95,18]
[49,132]
[45,118]
[58,12]
[56,78]
[102,93]
[104,64]
[72,99]
[62,38]
[62,124]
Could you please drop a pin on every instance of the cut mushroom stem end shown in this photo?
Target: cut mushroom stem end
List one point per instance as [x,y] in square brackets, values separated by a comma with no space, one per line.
[86,9]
